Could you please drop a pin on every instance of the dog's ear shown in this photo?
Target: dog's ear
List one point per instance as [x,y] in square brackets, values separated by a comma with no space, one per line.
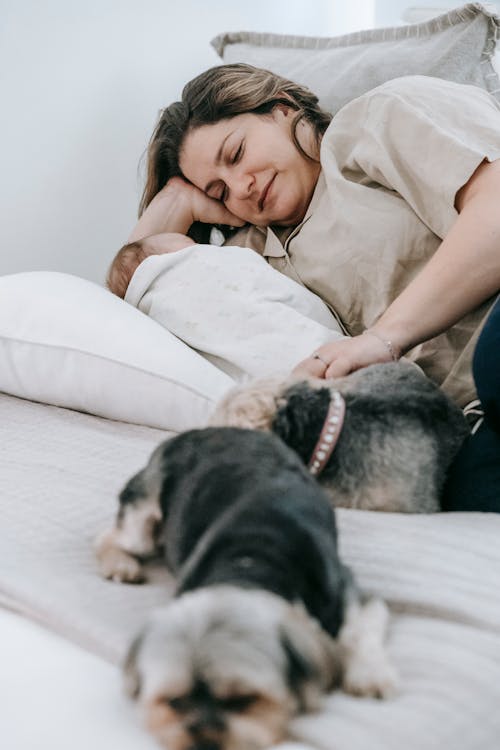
[299,667]
[312,663]
[132,677]
[251,406]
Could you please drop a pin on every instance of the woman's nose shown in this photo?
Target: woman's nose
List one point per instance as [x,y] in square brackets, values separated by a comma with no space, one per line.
[242,185]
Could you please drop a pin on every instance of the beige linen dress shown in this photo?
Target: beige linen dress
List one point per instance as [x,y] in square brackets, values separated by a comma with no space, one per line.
[392,163]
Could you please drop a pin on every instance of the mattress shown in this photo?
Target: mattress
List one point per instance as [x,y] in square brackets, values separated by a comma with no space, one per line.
[60,472]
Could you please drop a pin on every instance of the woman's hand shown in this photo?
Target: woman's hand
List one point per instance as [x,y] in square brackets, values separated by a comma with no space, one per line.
[463,273]
[347,355]
[208,210]
[177,206]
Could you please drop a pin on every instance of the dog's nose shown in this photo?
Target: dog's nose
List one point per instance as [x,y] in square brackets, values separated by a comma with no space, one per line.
[204,722]
[205,746]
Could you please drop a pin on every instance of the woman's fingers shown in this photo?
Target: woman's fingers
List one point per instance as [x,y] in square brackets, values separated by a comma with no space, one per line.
[310,366]
[343,357]
[339,367]
[176,207]
[211,211]
[202,208]
[231,219]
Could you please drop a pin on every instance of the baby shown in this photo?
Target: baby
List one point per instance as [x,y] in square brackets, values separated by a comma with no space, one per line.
[131,256]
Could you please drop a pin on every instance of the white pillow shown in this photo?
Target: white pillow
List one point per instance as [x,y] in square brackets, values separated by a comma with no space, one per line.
[69,342]
[231,306]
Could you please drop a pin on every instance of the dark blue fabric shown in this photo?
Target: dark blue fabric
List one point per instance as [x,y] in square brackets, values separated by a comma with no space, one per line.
[474,478]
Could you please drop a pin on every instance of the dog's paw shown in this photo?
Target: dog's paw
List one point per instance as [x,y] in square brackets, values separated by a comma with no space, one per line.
[122,568]
[117,565]
[371,676]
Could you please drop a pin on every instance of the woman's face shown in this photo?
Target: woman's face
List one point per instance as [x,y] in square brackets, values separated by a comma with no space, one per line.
[250,163]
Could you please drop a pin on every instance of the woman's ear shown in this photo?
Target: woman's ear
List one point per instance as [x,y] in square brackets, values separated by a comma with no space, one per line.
[282,109]
[282,106]
[283,115]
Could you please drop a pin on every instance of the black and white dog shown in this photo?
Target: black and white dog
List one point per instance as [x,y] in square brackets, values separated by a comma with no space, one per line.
[381,438]
[265,617]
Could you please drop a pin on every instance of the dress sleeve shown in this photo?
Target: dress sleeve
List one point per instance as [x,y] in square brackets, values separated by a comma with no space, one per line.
[419,136]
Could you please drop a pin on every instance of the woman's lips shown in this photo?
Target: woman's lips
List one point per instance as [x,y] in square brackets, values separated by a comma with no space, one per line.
[265,193]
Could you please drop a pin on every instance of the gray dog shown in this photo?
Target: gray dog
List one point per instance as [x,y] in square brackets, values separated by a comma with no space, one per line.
[381,438]
[266,617]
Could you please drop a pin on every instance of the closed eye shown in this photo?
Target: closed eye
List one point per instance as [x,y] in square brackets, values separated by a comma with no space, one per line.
[234,160]
[238,703]
[181,704]
[239,153]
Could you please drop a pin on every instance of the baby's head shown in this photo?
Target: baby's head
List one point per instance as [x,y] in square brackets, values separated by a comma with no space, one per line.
[130,256]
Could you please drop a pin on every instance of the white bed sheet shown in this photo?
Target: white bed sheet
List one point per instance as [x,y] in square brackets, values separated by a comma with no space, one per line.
[54,695]
[57,696]
[59,474]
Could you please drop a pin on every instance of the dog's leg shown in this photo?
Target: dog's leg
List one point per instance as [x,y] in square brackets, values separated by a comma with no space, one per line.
[118,559]
[121,551]
[366,666]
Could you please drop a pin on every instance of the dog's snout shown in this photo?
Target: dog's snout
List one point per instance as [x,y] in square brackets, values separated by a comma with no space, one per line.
[202,725]
[205,727]
[205,746]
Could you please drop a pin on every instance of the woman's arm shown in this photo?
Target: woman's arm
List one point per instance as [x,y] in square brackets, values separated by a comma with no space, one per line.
[463,273]
[176,207]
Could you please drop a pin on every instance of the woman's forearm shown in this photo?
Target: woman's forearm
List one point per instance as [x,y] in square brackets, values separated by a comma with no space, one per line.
[463,273]
[169,211]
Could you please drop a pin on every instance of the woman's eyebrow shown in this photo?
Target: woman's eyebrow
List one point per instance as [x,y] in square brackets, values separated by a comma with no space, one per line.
[218,160]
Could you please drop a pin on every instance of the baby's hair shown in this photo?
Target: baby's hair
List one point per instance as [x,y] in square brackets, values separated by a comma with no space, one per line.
[123,266]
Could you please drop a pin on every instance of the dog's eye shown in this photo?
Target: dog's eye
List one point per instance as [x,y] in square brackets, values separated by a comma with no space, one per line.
[238,702]
[181,705]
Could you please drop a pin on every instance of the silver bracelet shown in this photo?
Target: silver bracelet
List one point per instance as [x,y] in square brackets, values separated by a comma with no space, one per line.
[395,355]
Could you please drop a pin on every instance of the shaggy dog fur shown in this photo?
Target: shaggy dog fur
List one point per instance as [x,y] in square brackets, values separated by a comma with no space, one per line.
[265,618]
[399,437]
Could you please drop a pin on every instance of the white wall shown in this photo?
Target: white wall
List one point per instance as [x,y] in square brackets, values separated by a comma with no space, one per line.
[81,83]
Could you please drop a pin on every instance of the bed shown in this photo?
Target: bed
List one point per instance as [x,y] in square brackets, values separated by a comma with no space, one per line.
[79,414]
[60,474]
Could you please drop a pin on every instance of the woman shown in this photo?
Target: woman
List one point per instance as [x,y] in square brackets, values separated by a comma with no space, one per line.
[389,212]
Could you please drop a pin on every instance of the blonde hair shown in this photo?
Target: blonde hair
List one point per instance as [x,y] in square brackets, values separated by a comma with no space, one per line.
[217,94]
